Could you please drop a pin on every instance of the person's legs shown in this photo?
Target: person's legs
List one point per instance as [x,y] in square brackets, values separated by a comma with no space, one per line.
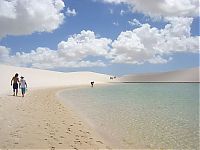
[23,91]
[15,89]
[13,92]
[16,92]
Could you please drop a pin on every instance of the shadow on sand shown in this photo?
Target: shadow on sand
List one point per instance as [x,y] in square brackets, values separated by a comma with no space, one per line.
[14,96]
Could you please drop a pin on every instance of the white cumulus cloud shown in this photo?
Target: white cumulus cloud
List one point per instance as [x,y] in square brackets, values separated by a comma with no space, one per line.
[153,45]
[22,17]
[81,45]
[70,12]
[4,53]
[134,22]
[70,53]
[162,7]
[144,44]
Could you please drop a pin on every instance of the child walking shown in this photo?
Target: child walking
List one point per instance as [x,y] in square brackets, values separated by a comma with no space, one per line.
[22,85]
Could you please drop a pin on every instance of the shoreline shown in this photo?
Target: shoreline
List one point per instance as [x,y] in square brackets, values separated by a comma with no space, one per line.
[107,139]
[114,143]
[40,120]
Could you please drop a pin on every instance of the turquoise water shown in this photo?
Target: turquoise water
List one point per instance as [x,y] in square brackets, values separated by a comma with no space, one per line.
[141,115]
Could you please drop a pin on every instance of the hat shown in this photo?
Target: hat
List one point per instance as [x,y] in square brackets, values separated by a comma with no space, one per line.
[22,77]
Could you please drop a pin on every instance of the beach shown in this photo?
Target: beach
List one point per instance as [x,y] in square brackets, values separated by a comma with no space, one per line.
[40,121]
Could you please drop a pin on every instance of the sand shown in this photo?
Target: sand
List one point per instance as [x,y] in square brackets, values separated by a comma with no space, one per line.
[40,121]
[187,75]
[37,78]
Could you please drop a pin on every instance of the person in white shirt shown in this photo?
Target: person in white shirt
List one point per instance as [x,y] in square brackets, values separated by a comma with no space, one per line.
[22,85]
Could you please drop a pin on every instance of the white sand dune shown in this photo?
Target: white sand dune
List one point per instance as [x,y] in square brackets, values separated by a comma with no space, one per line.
[37,78]
[187,75]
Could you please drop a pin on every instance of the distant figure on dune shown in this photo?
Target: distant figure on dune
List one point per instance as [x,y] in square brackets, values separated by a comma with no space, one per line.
[92,83]
[111,78]
[15,81]
[22,85]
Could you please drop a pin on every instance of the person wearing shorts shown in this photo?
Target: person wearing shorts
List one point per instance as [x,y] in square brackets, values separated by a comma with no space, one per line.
[22,85]
[14,83]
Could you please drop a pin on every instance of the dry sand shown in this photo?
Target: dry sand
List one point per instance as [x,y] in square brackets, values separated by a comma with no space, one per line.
[187,75]
[37,78]
[40,121]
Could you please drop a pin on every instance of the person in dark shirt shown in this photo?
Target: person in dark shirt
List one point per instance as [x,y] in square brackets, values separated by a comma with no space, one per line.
[14,83]
[92,83]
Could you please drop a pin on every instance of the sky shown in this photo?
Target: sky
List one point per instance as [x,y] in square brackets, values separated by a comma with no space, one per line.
[115,37]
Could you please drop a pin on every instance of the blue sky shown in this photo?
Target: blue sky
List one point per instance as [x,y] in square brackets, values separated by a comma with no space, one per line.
[102,36]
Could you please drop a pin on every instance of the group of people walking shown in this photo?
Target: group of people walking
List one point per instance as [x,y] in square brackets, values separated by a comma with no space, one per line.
[16,83]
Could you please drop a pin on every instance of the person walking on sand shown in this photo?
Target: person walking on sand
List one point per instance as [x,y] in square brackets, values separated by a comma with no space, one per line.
[92,83]
[15,81]
[22,85]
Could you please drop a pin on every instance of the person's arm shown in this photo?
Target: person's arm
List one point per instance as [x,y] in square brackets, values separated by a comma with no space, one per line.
[11,81]
[19,83]
[26,84]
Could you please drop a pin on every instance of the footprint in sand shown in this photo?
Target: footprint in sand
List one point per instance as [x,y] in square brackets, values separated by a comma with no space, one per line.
[99,142]
[62,137]
[73,147]
[67,132]
[77,141]
[55,139]
[52,133]
[52,148]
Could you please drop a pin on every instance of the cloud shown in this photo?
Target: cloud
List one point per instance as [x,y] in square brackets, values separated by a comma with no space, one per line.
[70,53]
[122,12]
[71,12]
[153,45]
[134,22]
[163,8]
[22,17]
[4,53]
[144,44]
[115,23]
[81,45]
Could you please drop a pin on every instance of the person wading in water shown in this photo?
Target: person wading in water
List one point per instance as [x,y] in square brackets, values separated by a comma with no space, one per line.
[15,81]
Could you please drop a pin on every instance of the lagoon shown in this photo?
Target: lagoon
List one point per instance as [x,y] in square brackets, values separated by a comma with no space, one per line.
[141,115]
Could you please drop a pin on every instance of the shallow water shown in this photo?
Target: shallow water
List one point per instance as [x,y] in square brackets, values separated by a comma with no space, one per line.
[141,115]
